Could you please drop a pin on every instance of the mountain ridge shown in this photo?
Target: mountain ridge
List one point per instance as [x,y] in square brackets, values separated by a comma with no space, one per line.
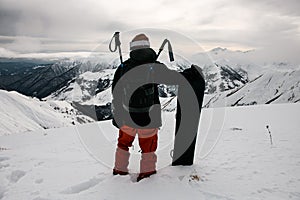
[226,72]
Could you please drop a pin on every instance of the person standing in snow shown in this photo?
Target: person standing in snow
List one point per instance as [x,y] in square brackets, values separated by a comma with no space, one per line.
[143,103]
[136,106]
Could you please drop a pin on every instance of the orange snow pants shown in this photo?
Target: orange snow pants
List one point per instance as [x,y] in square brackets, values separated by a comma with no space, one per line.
[147,142]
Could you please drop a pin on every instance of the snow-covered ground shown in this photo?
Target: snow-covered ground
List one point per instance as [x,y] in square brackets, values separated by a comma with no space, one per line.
[58,164]
[19,113]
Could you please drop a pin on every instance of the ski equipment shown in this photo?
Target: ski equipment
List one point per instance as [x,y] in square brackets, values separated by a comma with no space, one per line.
[171,56]
[116,36]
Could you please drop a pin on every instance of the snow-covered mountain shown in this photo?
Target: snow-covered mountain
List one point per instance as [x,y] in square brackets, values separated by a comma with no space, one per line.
[83,88]
[233,78]
[236,78]
[19,113]
[274,86]
[226,73]
[41,80]
[90,88]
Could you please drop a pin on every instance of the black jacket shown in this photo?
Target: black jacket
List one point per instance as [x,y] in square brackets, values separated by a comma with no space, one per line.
[148,115]
[135,115]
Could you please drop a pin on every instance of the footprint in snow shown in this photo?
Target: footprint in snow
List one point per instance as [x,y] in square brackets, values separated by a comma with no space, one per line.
[16,175]
[3,159]
[4,165]
[209,195]
[39,164]
[133,177]
[39,181]
[2,191]
[40,198]
[75,189]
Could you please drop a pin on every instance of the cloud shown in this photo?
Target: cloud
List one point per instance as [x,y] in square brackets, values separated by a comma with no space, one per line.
[8,20]
[25,44]
[74,25]
[289,8]
[6,53]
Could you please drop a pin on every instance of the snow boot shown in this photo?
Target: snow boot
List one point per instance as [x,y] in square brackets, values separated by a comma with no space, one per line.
[121,173]
[145,175]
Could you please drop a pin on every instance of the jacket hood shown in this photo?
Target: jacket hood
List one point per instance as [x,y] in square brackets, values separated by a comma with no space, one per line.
[146,55]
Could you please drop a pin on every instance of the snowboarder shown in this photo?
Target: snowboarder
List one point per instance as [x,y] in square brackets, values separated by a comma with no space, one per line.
[136,105]
[139,108]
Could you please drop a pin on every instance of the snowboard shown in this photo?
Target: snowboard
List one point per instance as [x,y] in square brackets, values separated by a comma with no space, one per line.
[185,140]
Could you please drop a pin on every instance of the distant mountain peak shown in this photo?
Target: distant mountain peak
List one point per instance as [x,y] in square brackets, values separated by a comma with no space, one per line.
[246,51]
[219,49]
[224,49]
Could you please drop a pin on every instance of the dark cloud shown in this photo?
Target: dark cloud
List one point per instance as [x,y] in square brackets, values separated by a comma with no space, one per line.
[74,25]
[289,7]
[8,21]
[6,39]
[59,19]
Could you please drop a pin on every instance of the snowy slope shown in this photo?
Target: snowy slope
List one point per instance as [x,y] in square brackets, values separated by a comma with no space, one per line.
[274,86]
[91,88]
[19,113]
[54,164]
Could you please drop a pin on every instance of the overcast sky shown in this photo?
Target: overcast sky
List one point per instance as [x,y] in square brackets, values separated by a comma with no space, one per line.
[33,26]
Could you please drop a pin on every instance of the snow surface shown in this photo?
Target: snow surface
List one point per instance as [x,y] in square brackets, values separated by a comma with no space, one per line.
[56,164]
[19,113]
